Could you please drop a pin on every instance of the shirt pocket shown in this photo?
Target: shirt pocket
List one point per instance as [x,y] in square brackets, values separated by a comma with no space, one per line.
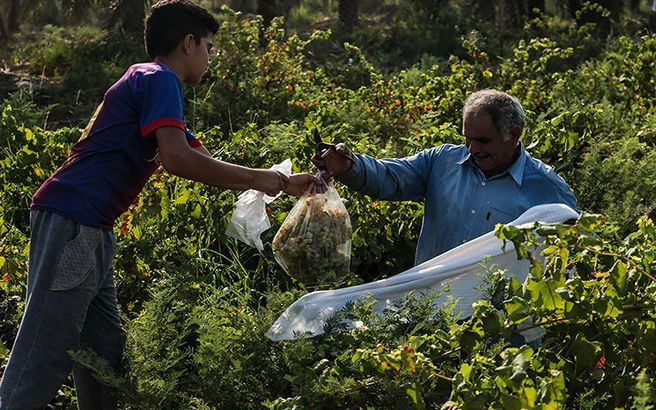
[77,259]
[499,216]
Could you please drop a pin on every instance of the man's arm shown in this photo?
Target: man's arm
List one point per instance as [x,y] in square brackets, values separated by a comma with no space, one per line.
[389,179]
[197,164]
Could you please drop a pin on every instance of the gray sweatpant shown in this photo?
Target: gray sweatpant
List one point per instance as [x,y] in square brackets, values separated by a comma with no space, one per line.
[70,304]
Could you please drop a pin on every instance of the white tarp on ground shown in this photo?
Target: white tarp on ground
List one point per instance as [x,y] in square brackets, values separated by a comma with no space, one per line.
[458,268]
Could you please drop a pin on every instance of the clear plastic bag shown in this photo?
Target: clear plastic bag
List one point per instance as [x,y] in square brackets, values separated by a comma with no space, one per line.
[313,245]
[250,218]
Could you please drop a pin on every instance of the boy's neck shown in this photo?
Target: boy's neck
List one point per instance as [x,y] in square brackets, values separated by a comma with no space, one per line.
[173,64]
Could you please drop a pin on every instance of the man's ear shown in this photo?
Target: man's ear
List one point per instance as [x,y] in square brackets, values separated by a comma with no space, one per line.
[515,134]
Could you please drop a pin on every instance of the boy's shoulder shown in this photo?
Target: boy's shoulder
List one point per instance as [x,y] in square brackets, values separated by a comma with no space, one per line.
[142,79]
[152,70]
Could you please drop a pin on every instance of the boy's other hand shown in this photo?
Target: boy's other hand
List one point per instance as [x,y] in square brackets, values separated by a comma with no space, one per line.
[302,183]
[335,163]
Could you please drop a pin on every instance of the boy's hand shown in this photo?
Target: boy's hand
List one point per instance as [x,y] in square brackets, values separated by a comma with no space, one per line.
[270,182]
[335,163]
[302,183]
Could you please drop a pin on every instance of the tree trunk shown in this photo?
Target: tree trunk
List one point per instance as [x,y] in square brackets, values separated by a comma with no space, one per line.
[348,13]
[267,9]
[13,22]
[4,34]
[509,14]
[535,4]
[129,16]
[603,23]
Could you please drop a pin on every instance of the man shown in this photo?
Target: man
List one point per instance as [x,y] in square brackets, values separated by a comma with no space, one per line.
[467,189]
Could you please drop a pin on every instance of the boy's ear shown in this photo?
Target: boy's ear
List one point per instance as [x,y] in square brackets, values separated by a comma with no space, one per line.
[187,43]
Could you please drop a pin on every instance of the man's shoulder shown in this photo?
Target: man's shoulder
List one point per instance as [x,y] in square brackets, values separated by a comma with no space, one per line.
[448,150]
[536,169]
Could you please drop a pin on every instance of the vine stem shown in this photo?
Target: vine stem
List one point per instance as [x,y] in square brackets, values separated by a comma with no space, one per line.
[627,260]
[449,379]
[639,306]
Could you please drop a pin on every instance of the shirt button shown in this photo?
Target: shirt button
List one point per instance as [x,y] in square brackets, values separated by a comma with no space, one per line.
[487,202]
[483,183]
[464,241]
[473,211]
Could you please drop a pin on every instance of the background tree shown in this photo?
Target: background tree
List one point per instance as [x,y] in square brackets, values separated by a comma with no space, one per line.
[13,23]
[269,9]
[4,34]
[348,13]
[533,5]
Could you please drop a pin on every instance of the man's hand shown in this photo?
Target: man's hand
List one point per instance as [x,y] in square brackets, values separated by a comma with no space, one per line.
[336,162]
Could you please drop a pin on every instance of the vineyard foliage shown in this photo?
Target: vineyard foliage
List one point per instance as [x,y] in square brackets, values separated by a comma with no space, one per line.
[196,303]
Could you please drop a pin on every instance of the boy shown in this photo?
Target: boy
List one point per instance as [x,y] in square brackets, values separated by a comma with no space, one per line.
[71,297]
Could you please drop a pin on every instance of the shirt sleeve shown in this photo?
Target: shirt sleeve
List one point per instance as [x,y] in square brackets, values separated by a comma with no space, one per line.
[162,106]
[561,192]
[161,103]
[391,179]
[192,140]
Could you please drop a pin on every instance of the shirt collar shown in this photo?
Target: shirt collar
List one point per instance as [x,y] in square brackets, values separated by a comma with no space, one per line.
[516,170]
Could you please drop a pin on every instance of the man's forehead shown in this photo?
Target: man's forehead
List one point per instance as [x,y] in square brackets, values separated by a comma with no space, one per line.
[478,118]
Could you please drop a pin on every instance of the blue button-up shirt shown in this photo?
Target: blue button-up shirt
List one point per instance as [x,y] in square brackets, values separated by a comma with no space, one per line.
[461,203]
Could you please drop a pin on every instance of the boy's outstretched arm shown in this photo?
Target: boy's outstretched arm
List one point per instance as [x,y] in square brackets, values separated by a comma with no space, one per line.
[178,158]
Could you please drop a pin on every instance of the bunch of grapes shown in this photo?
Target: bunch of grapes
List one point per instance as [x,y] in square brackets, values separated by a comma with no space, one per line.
[313,244]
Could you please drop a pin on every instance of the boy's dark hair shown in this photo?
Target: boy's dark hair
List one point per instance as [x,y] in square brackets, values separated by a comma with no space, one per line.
[169,21]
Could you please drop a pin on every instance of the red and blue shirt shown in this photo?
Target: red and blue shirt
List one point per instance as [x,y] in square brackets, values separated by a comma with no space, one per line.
[115,156]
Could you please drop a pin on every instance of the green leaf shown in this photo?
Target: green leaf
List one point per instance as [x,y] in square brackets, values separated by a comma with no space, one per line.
[492,323]
[618,277]
[545,291]
[531,396]
[511,402]
[583,352]
[183,197]
[468,340]
[588,221]
[412,392]
[518,310]
[465,370]
[515,288]
[649,340]
[196,212]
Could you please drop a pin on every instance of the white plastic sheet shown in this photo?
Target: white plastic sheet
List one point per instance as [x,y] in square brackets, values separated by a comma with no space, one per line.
[459,268]
[249,218]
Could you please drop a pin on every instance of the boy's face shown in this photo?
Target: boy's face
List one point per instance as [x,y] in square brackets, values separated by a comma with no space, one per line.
[199,59]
